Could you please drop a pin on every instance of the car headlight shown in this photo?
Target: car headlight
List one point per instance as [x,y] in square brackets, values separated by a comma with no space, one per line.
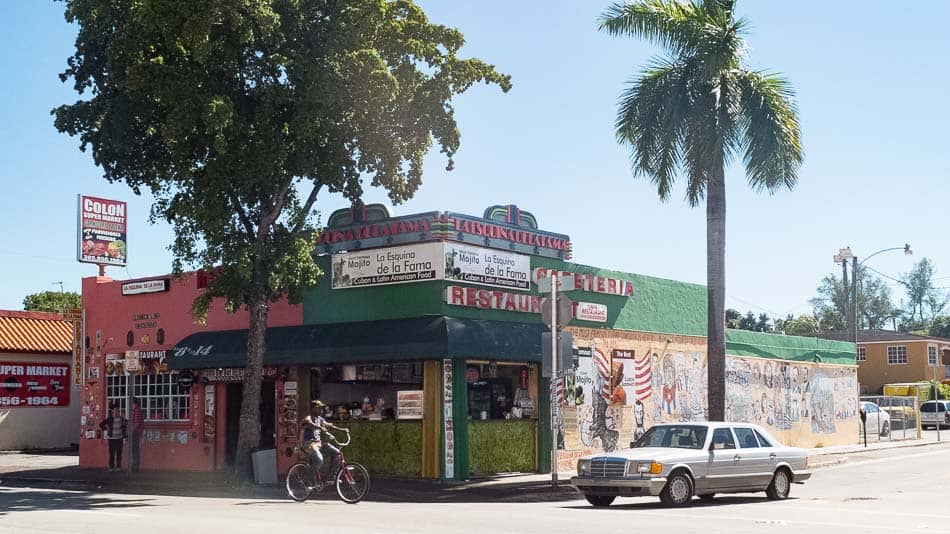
[583,468]
[643,468]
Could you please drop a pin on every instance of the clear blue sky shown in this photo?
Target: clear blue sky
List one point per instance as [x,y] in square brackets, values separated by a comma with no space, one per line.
[872,88]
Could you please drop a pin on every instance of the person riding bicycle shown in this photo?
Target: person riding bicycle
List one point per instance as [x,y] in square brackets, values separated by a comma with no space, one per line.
[314,426]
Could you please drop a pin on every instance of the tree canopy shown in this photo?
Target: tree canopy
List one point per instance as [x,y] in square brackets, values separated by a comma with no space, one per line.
[875,307]
[52,301]
[238,114]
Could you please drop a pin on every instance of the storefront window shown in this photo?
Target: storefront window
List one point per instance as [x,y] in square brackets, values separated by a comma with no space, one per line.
[162,399]
[370,392]
[501,390]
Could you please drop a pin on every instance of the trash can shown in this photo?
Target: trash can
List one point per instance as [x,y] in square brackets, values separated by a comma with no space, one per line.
[264,463]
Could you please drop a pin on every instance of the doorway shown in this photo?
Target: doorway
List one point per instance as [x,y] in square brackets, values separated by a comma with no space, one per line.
[235,396]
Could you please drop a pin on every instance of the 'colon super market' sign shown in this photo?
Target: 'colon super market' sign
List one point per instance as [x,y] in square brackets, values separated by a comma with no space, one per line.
[431,261]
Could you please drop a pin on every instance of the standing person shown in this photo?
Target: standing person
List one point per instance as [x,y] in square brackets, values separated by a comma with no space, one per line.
[138,426]
[114,429]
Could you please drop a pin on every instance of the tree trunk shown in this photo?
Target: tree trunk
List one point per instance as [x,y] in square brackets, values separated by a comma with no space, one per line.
[716,293]
[249,433]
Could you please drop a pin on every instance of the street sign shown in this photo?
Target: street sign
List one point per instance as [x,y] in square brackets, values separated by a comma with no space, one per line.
[565,310]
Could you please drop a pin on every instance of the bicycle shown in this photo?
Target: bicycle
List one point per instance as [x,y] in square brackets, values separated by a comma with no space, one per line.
[351,480]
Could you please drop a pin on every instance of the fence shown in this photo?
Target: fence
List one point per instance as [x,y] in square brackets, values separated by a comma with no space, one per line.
[890,418]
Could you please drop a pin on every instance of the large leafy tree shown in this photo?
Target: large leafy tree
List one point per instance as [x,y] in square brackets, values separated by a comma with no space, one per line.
[694,111]
[875,307]
[926,301]
[238,114]
[52,301]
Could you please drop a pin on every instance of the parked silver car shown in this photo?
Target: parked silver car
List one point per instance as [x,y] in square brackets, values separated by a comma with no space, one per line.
[680,460]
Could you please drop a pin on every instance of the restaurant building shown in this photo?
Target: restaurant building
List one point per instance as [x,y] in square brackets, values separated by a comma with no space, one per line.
[424,337]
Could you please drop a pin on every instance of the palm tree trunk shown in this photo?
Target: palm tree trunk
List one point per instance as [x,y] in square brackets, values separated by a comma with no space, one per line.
[249,433]
[716,292]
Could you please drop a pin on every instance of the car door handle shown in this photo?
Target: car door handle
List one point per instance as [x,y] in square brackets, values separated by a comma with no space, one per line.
[772,456]
[736,458]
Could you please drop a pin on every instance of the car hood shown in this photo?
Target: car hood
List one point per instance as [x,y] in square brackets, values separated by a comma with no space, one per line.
[656,454]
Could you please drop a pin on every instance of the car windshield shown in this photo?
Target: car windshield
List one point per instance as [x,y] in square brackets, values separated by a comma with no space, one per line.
[674,436]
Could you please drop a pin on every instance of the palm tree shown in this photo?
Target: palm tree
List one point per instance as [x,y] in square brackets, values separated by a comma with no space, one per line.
[691,113]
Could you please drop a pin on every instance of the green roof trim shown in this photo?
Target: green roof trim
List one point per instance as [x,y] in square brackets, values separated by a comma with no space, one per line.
[658,305]
[779,347]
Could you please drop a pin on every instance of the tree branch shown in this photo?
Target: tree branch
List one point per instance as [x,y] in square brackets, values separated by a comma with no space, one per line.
[308,205]
[242,216]
[274,212]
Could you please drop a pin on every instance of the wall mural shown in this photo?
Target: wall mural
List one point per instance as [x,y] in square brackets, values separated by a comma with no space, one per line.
[625,382]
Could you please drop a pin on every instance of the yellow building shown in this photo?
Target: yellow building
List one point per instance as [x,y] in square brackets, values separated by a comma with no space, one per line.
[886,357]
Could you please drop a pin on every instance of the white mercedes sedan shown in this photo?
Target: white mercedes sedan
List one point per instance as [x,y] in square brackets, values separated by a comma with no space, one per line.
[681,460]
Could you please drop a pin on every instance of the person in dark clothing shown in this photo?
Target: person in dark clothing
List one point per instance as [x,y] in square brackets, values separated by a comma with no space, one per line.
[115,428]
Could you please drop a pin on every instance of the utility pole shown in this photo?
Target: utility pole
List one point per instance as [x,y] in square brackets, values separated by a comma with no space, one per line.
[62,298]
[854,299]
[554,377]
[844,290]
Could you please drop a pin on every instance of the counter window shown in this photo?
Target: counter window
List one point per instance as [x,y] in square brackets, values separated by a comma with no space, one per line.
[501,390]
[368,392]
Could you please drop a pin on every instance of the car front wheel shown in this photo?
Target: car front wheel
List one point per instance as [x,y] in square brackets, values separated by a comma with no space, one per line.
[781,485]
[678,490]
[885,429]
[600,501]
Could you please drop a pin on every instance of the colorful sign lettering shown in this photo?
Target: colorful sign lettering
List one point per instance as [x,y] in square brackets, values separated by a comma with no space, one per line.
[34,385]
[589,311]
[487,299]
[588,282]
[103,227]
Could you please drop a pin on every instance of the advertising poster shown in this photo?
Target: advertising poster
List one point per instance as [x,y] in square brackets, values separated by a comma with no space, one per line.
[487,267]
[33,384]
[379,267]
[409,404]
[102,231]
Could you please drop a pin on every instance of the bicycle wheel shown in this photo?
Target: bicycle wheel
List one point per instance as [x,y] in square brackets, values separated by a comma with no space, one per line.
[352,483]
[299,482]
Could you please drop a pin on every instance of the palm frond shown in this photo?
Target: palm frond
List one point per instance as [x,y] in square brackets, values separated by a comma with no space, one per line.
[677,26]
[650,120]
[772,137]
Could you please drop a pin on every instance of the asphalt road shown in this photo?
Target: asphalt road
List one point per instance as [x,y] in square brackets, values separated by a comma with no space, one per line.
[883,491]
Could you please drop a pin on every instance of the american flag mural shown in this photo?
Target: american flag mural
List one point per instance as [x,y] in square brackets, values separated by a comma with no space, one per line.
[643,378]
[602,365]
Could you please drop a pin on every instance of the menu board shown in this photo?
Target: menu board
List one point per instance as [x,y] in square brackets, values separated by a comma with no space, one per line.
[409,404]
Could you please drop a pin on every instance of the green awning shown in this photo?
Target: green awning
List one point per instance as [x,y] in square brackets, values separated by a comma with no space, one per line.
[422,338]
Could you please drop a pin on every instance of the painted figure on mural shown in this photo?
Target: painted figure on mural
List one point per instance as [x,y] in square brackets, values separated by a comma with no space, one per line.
[822,404]
[669,385]
[618,396]
[638,419]
[767,376]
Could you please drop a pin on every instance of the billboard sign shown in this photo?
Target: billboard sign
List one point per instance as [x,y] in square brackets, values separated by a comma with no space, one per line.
[34,385]
[103,226]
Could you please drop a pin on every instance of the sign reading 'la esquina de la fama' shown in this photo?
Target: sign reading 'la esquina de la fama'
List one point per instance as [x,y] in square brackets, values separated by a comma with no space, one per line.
[503,227]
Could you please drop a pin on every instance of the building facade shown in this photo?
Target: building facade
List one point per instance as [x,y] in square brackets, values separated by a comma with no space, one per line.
[887,357]
[424,338]
[39,388]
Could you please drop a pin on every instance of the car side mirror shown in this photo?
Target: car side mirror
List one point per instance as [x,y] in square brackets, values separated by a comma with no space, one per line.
[712,446]
[632,443]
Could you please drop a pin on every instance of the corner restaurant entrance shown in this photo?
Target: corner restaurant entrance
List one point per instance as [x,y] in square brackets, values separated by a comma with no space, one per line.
[234,396]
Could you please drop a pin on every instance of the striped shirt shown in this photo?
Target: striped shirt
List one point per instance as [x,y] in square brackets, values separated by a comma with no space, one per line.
[116,431]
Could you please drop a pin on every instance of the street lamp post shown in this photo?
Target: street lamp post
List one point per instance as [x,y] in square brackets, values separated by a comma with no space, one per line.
[842,257]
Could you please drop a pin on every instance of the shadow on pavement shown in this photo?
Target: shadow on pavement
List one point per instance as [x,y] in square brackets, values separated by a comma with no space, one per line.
[653,503]
[223,485]
[44,501]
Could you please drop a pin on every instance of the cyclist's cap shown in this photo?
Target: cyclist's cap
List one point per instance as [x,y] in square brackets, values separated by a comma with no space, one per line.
[317,404]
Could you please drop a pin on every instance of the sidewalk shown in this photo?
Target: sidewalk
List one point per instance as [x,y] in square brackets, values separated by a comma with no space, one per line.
[61,471]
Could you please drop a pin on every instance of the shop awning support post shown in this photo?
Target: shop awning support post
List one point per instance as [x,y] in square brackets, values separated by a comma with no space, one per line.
[553,380]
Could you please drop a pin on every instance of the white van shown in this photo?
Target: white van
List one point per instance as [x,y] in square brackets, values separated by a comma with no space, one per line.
[933,413]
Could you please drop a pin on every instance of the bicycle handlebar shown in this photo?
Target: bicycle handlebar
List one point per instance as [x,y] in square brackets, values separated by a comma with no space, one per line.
[338,442]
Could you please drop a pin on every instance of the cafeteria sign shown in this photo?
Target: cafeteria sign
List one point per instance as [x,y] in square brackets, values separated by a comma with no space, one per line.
[102,231]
